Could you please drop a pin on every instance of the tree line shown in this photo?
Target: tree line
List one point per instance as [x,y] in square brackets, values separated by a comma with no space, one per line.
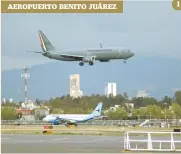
[148,107]
[148,112]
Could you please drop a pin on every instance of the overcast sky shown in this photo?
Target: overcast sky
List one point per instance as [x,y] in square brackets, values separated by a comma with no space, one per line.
[147,28]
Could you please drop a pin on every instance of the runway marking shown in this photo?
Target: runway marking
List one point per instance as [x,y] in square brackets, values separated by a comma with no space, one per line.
[56,139]
[111,140]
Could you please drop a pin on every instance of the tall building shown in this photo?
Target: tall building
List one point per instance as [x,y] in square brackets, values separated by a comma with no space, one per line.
[110,89]
[75,86]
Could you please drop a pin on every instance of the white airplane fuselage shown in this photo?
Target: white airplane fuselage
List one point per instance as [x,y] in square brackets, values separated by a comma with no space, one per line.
[69,116]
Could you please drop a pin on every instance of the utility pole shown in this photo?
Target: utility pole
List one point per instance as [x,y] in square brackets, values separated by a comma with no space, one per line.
[25,75]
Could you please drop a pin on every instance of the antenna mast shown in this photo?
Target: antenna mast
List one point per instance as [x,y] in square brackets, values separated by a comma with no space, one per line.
[26,75]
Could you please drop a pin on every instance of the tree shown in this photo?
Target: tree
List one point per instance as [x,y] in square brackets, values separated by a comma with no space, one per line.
[9,104]
[142,102]
[119,114]
[139,113]
[8,113]
[142,112]
[37,102]
[166,100]
[56,111]
[176,109]
[166,114]
[135,113]
[178,97]
[125,95]
[153,111]
[19,115]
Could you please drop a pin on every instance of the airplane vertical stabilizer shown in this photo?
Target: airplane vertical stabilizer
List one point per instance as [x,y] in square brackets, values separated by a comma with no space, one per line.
[97,110]
[45,43]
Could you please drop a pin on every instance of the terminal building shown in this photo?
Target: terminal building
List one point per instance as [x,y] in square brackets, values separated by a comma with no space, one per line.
[75,86]
[110,89]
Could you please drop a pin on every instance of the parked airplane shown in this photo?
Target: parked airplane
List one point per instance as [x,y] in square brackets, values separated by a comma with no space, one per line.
[74,119]
[84,55]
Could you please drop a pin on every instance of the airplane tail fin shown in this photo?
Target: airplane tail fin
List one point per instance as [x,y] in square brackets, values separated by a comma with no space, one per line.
[46,45]
[97,110]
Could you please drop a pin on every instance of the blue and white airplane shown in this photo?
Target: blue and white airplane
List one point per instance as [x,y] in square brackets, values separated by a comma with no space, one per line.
[74,119]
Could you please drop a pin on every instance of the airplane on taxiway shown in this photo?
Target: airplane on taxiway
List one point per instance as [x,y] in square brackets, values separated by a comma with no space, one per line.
[74,119]
[83,55]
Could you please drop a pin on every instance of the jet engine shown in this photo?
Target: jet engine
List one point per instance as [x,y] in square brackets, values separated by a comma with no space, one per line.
[56,122]
[104,60]
[71,124]
[88,59]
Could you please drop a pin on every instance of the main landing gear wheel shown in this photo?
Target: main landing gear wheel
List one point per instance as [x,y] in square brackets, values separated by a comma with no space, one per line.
[68,126]
[91,63]
[81,64]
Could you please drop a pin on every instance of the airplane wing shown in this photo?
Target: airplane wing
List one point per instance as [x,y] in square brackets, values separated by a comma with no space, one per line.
[77,57]
[34,51]
[67,120]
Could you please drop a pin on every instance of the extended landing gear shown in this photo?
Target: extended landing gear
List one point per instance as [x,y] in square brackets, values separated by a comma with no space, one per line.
[68,126]
[124,61]
[81,64]
[91,63]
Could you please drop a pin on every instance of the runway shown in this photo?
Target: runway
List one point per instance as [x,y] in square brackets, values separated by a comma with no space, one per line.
[19,143]
[60,143]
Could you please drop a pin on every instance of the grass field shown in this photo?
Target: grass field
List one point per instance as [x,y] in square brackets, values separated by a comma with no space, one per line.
[79,130]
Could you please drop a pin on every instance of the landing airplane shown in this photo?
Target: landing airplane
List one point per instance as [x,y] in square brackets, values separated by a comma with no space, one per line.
[84,55]
[73,119]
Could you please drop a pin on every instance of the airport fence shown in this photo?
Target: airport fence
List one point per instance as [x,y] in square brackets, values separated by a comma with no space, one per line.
[141,123]
[152,141]
[95,122]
